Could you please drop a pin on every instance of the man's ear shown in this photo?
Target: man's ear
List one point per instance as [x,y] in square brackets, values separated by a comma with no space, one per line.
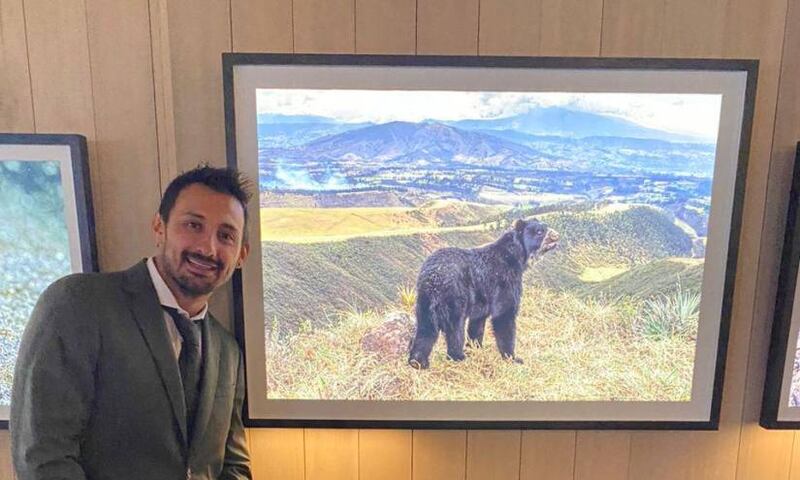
[159,229]
[243,253]
[519,225]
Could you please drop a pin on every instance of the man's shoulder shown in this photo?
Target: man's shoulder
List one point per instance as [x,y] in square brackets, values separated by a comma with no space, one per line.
[85,282]
[87,285]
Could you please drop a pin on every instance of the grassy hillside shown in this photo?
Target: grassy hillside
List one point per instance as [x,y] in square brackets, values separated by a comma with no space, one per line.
[309,282]
[314,225]
[623,252]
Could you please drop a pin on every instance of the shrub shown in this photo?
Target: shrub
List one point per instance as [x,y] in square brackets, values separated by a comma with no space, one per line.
[408,297]
[670,315]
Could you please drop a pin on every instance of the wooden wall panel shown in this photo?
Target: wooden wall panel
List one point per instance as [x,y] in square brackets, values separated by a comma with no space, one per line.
[162,92]
[693,29]
[794,466]
[331,454]
[61,82]
[632,28]
[493,455]
[602,456]
[386,26]
[439,455]
[59,65]
[277,453]
[547,455]
[262,26]
[682,455]
[324,26]
[16,107]
[122,87]
[384,454]
[571,27]
[510,27]
[197,39]
[6,467]
[447,27]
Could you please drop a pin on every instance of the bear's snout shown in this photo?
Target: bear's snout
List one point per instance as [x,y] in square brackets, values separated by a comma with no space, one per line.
[551,239]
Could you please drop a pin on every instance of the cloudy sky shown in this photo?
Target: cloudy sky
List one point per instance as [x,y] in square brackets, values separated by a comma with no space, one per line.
[689,114]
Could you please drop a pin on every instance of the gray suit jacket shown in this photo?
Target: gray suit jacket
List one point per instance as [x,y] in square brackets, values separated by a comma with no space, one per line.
[97,391]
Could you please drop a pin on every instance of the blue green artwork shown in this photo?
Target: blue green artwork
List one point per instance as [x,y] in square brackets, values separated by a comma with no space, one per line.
[34,250]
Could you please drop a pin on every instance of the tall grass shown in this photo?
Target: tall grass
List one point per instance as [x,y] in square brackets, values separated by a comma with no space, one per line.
[672,315]
[574,349]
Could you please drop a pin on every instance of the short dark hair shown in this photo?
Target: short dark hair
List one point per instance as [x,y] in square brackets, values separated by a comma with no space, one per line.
[223,180]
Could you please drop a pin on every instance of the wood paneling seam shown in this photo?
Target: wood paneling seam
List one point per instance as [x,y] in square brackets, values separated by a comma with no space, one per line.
[294,51]
[416,27]
[28,59]
[355,29]
[97,190]
[230,26]
[478,41]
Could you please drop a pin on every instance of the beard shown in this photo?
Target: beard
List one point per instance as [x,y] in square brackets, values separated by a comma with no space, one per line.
[190,284]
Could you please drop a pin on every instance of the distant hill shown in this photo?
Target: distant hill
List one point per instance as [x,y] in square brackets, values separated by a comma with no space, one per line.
[358,150]
[566,122]
[428,143]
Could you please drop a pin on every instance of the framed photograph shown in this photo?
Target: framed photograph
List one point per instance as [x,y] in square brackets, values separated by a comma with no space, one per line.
[46,231]
[487,242]
[781,405]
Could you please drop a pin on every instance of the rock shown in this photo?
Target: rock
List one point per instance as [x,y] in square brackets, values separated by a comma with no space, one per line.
[390,340]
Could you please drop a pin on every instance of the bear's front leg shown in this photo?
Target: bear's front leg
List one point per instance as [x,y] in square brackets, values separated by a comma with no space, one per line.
[475,330]
[505,331]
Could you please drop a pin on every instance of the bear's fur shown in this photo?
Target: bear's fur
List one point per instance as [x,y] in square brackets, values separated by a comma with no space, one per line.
[455,285]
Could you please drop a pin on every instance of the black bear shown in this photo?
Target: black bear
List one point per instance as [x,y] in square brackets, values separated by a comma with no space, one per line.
[457,284]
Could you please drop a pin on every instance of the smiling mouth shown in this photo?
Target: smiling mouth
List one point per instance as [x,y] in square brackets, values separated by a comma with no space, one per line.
[200,265]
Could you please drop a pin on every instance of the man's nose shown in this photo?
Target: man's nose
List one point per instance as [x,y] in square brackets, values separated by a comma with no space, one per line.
[207,245]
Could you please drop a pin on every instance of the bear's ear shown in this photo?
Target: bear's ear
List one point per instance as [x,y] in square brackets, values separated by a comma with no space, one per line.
[519,225]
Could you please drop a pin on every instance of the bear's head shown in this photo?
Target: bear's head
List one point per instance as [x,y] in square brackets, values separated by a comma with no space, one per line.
[535,236]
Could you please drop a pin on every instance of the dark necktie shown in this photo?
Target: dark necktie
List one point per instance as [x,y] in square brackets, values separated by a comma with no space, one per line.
[190,363]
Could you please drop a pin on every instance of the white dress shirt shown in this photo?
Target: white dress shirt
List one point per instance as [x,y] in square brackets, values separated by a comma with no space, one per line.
[167,299]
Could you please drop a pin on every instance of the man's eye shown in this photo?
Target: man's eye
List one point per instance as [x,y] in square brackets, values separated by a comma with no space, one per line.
[193,225]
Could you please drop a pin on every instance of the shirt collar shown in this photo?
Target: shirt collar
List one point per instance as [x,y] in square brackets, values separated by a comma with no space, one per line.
[165,296]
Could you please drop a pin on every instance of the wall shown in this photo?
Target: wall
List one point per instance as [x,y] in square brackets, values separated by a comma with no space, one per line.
[141,80]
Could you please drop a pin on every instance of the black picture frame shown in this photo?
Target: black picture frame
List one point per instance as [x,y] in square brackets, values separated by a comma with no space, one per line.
[738,162]
[69,152]
[777,411]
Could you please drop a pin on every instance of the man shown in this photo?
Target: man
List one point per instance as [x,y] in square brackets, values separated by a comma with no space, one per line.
[123,375]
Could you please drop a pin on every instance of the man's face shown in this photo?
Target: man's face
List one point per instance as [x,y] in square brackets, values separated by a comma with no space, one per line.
[202,243]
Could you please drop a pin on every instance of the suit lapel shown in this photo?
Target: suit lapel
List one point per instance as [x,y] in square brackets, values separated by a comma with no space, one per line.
[150,318]
[208,384]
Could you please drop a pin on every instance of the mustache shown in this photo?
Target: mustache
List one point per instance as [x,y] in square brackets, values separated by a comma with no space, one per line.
[202,258]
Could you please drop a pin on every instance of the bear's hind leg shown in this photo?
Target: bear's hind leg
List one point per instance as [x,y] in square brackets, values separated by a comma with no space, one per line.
[454,335]
[426,334]
[455,341]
